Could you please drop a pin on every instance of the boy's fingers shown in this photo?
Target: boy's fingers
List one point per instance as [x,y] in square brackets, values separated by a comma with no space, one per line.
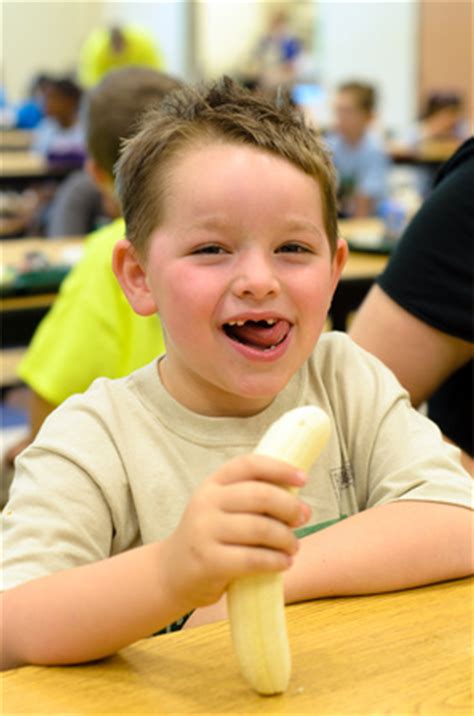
[263,498]
[241,561]
[260,467]
[258,531]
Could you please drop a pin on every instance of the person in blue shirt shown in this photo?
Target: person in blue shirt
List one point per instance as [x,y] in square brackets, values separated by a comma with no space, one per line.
[60,134]
[361,162]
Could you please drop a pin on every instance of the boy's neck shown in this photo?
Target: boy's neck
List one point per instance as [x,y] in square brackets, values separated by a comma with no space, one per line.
[229,406]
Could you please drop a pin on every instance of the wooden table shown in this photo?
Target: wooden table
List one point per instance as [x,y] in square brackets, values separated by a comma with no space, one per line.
[21,168]
[12,251]
[15,139]
[402,653]
[22,163]
[360,271]
[20,314]
[428,152]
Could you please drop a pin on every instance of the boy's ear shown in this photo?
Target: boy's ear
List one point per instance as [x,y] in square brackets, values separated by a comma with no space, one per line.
[338,262]
[132,278]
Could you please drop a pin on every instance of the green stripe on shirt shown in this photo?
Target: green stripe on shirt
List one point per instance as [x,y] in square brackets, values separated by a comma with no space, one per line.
[310,529]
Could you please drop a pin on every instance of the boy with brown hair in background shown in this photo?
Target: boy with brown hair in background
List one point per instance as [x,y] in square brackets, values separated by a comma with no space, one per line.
[359,156]
[141,500]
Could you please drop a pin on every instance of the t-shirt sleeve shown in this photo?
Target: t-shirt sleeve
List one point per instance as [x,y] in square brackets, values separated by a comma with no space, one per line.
[69,502]
[395,453]
[410,461]
[431,271]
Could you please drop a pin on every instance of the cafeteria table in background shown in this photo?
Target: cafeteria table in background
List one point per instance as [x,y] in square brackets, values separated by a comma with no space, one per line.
[15,140]
[18,169]
[26,299]
[408,652]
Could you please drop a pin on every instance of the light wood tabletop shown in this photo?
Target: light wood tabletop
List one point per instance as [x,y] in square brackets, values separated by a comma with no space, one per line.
[13,251]
[19,168]
[65,251]
[432,151]
[21,163]
[402,653]
[15,139]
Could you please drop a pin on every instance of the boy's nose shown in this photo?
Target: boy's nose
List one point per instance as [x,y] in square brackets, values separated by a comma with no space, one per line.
[255,278]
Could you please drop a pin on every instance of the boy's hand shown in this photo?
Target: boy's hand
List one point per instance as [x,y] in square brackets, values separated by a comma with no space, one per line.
[238,522]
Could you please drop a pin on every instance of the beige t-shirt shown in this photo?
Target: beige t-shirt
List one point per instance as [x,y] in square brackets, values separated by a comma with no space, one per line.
[114,468]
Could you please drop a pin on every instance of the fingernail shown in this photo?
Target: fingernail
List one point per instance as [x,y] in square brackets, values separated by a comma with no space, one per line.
[303,516]
[302,477]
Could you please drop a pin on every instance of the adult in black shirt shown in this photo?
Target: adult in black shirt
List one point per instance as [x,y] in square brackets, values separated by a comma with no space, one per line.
[418,318]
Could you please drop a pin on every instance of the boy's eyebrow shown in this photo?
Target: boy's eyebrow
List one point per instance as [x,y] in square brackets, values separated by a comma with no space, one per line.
[306,225]
[291,224]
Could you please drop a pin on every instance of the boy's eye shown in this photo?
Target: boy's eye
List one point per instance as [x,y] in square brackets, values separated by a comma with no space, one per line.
[294,248]
[209,249]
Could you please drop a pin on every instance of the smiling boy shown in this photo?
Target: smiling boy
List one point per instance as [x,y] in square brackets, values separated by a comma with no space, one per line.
[141,500]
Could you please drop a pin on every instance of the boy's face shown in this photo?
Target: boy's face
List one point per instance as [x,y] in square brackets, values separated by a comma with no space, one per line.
[241,274]
[351,120]
[58,105]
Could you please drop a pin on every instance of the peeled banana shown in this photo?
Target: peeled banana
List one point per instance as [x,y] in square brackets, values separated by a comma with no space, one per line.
[256,603]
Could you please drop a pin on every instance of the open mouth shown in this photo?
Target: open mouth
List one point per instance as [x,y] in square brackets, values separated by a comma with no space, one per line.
[262,335]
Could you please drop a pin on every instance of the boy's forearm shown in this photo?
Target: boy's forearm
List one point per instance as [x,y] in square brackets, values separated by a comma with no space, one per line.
[394,546]
[88,612]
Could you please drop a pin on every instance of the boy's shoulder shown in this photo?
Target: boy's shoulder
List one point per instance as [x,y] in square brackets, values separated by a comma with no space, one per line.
[106,398]
[339,361]
[334,345]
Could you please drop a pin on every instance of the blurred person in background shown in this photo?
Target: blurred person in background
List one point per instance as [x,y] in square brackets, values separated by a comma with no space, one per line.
[78,207]
[442,119]
[361,161]
[112,48]
[60,134]
[274,60]
[30,111]
[59,138]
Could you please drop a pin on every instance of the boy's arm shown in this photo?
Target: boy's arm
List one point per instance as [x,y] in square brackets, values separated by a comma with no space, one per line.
[393,546]
[88,612]
[236,523]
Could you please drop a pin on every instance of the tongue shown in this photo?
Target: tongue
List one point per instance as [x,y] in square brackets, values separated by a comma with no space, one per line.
[259,334]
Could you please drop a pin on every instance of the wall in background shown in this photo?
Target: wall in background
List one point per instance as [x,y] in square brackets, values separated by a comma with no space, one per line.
[167,22]
[47,36]
[376,42]
[42,36]
[225,34]
[446,49]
